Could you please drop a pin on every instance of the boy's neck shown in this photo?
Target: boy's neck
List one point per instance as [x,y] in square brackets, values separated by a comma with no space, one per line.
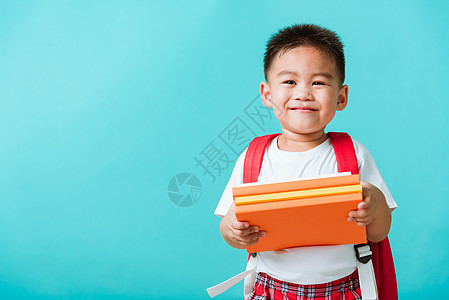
[293,142]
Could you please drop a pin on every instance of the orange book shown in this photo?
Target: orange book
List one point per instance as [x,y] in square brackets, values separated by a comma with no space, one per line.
[319,220]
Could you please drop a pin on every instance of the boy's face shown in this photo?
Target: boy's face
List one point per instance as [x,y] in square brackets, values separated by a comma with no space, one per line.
[304,90]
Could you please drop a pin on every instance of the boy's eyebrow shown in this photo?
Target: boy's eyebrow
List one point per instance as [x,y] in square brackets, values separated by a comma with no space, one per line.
[324,74]
[287,72]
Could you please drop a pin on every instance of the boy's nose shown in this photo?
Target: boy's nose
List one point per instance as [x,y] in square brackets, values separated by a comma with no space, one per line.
[303,93]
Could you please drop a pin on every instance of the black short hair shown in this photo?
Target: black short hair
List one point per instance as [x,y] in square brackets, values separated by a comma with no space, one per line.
[309,35]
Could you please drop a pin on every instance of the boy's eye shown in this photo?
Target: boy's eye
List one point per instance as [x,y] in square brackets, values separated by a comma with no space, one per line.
[289,82]
[318,83]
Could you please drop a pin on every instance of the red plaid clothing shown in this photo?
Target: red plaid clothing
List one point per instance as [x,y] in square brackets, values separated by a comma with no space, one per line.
[267,287]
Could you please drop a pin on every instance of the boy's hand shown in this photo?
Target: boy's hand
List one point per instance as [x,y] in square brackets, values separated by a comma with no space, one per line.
[238,234]
[364,215]
[373,213]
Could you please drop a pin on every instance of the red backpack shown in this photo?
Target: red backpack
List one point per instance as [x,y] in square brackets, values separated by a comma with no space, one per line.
[347,162]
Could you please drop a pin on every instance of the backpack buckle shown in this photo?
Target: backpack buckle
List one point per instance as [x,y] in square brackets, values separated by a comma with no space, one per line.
[363,252]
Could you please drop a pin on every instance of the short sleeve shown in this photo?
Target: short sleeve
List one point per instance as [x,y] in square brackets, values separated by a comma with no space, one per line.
[236,179]
[370,173]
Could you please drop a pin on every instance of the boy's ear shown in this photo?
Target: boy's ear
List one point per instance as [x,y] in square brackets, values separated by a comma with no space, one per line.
[265,94]
[342,97]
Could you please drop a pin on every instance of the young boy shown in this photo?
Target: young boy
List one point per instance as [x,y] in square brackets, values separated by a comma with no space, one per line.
[304,70]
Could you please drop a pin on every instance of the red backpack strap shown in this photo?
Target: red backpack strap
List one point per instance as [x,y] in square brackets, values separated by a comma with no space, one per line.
[254,157]
[383,264]
[382,256]
[344,152]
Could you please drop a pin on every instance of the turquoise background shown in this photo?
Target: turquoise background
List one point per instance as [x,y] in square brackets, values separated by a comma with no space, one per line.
[102,103]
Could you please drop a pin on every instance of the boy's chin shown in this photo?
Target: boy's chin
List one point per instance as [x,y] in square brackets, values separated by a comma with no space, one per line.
[305,136]
[304,132]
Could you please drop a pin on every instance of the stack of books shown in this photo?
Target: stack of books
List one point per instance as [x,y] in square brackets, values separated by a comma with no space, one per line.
[303,212]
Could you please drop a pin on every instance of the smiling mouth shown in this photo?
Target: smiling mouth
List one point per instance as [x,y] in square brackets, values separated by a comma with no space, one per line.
[303,109]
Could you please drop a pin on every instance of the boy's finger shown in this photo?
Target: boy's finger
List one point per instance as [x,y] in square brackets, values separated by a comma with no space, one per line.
[250,230]
[362,213]
[361,224]
[247,240]
[363,221]
[364,204]
[357,214]
[245,231]
[364,218]
[239,225]
[353,214]
[253,238]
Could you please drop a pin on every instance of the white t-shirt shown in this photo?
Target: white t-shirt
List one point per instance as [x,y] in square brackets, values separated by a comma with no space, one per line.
[305,265]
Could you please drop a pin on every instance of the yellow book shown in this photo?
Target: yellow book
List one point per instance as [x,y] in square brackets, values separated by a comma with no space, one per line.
[282,196]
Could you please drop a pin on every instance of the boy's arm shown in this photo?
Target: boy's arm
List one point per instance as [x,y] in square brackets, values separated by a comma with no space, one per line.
[373,212]
[238,234]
